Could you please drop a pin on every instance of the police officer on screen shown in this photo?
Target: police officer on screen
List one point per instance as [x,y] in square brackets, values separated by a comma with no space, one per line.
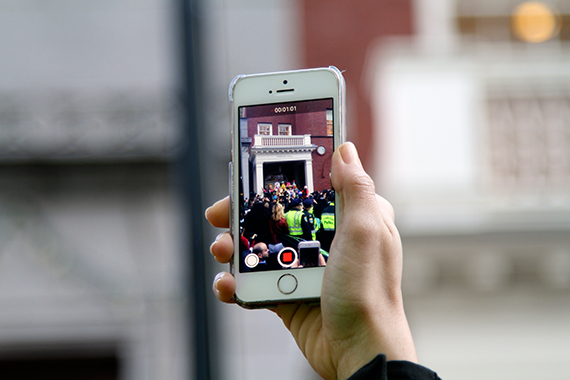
[294,217]
[326,233]
[300,222]
[308,222]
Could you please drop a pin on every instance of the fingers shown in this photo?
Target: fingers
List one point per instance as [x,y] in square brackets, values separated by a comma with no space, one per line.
[222,248]
[224,287]
[219,213]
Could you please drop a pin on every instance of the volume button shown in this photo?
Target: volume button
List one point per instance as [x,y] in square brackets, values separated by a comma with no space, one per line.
[231,190]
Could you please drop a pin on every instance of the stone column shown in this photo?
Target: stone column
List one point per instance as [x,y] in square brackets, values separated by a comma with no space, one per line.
[244,169]
[309,174]
[258,176]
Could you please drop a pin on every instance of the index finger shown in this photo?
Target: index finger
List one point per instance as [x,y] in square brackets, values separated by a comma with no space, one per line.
[218,214]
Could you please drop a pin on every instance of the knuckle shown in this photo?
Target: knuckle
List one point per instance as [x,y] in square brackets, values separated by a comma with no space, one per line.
[369,227]
[363,185]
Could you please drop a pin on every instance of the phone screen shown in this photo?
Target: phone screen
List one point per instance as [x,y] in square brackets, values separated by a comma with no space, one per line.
[286,196]
[309,256]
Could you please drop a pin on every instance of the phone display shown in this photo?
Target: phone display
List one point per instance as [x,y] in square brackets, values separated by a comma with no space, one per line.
[285,159]
[286,128]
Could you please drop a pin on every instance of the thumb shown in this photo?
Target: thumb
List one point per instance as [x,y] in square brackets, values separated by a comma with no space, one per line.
[352,184]
[356,196]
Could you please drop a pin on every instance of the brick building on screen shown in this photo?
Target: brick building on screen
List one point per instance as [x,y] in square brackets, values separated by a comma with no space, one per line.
[286,143]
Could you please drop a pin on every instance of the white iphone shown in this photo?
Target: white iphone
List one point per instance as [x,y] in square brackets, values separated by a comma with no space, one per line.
[285,128]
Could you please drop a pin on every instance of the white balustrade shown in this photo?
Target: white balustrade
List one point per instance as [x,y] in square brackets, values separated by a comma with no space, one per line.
[264,141]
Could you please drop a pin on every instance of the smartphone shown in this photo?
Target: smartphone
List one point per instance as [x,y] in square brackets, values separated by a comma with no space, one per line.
[285,128]
[310,254]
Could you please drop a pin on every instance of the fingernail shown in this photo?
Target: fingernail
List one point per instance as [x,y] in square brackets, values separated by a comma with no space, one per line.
[214,243]
[206,212]
[349,154]
[216,281]
[219,236]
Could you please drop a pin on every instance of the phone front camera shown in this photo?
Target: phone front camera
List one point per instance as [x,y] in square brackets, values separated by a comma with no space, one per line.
[285,81]
[271,91]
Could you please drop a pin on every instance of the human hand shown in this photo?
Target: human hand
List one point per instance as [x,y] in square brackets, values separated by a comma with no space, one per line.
[361,312]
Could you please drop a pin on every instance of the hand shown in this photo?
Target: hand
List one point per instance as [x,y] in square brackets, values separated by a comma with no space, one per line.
[361,312]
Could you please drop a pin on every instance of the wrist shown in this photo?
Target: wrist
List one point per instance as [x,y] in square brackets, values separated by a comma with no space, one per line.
[385,335]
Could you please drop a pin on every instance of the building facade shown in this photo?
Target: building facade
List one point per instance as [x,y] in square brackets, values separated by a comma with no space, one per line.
[90,237]
[472,150]
[294,147]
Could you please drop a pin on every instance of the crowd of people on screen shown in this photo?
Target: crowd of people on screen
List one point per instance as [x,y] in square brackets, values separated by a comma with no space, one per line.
[282,216]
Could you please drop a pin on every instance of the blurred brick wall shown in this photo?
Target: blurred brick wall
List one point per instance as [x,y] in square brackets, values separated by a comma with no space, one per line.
[339,33]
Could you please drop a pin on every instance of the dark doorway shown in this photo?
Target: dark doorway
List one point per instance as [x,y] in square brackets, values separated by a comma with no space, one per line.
[290,171]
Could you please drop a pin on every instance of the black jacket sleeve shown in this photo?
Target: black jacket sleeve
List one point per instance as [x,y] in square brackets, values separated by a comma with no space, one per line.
[380,369]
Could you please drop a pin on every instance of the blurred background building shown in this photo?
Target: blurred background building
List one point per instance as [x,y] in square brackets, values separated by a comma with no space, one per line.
[460,110]
[472,137]
[90,247]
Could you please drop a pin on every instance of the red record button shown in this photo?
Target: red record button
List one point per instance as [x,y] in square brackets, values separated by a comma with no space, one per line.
[287,257]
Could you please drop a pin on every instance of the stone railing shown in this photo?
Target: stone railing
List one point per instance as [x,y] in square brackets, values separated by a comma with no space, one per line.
[263,141]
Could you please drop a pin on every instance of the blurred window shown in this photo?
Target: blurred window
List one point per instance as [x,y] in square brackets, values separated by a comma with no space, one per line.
[529,140]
